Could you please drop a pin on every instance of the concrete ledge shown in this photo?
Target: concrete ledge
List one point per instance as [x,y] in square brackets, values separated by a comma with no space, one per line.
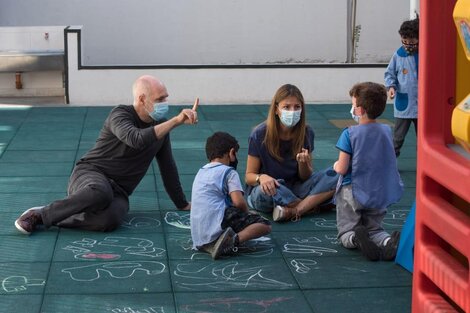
[31,61]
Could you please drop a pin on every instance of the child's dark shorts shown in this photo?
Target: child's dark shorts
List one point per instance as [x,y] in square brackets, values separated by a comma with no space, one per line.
[238,220]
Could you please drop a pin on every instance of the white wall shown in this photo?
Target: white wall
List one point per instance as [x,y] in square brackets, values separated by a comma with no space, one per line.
[220,86]
[121,32]
[38,38]
[205,32]
[379,21]
[213,86]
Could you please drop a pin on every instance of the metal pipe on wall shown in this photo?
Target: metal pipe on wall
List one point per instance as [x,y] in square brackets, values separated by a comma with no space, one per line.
[414,9]
[351,31]
[18,83]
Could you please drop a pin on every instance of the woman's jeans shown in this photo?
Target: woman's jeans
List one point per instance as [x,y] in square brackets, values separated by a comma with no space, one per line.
[321,181]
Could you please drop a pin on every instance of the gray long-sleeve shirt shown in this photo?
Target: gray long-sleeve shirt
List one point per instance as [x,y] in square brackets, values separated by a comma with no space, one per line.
[125,149]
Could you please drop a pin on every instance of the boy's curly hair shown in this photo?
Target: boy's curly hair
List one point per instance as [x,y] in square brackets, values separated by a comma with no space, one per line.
[410,29]
[220,143]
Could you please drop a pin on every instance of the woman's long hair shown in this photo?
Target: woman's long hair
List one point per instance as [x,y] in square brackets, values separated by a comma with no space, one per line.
[271,139]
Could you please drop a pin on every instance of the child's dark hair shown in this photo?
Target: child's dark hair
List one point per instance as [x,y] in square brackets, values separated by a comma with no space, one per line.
[219,144]
[370,96]
[410,29]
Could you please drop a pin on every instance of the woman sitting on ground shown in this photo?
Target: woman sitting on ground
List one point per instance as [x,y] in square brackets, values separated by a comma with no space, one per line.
[279,171]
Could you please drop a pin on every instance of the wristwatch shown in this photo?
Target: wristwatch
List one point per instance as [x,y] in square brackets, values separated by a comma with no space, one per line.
[257,178]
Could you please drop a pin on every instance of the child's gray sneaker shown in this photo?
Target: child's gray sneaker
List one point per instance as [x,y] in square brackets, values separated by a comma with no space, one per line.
[368,248]
[389,251]
[225,244]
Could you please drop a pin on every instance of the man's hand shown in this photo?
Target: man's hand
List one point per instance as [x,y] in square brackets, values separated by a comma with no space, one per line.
[188,116]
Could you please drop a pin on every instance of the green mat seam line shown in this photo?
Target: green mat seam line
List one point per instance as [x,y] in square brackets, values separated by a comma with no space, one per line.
[16,132]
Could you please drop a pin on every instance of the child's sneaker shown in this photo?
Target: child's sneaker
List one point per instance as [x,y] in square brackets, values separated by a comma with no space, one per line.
[28,221]
[226,243]
[368,248]
[389,251]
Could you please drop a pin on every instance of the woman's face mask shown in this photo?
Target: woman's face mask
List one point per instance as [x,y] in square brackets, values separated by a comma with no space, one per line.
[160,109]
[290,118]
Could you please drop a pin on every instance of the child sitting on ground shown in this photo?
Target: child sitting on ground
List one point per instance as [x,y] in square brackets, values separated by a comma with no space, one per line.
[369,180]
[220,220]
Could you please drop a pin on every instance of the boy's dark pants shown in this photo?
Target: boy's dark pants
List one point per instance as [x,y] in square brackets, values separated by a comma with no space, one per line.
[402,125]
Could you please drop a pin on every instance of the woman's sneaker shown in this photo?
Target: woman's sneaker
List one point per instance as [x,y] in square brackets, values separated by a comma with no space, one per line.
[282,213]
[29,220]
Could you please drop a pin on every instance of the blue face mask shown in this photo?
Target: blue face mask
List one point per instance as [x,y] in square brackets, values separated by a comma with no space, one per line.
[290,118]
[160,109]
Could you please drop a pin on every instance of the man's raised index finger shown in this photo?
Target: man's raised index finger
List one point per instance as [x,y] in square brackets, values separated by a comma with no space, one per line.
[196,103]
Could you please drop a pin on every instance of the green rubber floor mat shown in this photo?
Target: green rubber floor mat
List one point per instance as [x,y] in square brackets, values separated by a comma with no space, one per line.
[148,265]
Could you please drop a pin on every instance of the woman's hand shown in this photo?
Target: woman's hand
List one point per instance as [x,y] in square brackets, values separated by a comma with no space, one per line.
[303,156]
[268,185]
[304,161]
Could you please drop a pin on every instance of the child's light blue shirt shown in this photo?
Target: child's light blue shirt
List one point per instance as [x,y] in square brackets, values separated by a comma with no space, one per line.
[402,74]
[209,198]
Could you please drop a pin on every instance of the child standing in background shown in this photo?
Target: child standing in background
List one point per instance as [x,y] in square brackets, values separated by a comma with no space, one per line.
[401,80]
[220,220]
[369,180]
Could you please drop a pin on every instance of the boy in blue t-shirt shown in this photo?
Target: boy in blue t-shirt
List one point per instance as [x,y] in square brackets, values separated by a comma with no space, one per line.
[369,180]
[220,220]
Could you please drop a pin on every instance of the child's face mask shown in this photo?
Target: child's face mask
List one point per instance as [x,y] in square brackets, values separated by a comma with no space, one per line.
[355,117]
[410,45]
[234,163]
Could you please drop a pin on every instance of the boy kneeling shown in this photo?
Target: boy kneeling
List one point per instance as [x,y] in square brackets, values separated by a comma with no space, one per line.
[370,181]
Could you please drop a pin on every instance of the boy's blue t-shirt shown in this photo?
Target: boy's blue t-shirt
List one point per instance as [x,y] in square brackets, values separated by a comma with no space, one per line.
[373,171]
[286,169]
[344,144]
[209,198]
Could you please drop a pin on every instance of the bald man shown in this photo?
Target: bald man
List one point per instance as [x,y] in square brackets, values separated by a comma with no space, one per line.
[104,178]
